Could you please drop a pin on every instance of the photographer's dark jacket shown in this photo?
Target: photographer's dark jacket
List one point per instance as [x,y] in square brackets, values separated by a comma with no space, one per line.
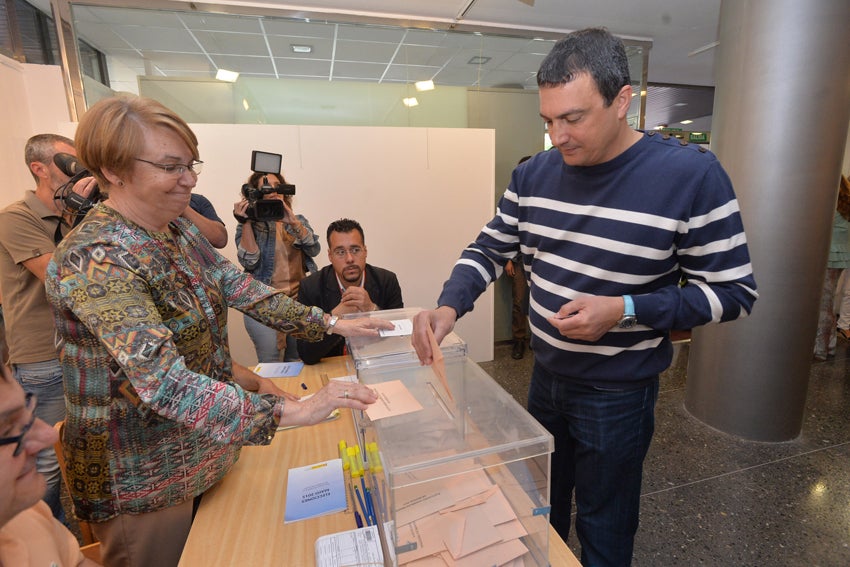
[261,264]
[322,290]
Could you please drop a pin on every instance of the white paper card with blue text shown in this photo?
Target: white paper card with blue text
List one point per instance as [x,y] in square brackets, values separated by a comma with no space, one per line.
[315,490]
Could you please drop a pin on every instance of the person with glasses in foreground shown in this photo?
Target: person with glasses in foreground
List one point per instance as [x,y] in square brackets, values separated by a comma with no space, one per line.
[29,534]
[140,302]
[348,285]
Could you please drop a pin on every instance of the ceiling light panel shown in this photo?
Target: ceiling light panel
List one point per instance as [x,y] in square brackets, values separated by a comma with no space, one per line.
[281,47]
[226,75]
[301,49]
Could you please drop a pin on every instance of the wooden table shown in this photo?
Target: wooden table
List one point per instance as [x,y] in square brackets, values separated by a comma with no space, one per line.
[240,520]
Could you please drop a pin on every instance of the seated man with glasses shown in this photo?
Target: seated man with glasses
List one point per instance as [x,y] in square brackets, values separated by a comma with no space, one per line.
[348,285]
[29,534]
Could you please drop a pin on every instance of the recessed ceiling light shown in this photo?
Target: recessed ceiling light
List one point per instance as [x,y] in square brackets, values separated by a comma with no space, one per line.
[408,102]
[681,104]
[478,60]
[424,85]
[686,122]
[226,76]
[301,48]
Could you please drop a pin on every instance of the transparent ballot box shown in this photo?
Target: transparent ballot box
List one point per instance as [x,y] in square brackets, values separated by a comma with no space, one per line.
[463,475]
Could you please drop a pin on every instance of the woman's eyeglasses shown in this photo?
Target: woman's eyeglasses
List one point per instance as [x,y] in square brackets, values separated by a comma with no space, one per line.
[30,403]
[177,169]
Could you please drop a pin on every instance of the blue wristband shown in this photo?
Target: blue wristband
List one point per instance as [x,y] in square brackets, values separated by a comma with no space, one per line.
[628,306]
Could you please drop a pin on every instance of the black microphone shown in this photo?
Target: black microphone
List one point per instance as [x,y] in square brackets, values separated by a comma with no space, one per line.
[68,164]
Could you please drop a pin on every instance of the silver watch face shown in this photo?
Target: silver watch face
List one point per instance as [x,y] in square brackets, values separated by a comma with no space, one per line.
[627,322]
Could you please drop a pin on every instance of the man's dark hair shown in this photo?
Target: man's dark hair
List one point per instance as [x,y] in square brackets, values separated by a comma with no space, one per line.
[594,51]
[345,225]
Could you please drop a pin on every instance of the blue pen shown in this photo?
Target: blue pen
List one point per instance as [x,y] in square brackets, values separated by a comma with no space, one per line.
[358,519]
[362,506]
[368,510]
[367,496]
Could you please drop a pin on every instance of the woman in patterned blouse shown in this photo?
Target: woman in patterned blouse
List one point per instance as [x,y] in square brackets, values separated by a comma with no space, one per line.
[140,301]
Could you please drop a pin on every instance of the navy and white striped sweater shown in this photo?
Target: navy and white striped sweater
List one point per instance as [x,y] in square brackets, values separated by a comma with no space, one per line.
[634,225]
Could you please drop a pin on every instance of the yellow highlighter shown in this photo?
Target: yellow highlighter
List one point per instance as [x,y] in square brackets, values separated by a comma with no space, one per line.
[374,457]
[356,466]
[343,455]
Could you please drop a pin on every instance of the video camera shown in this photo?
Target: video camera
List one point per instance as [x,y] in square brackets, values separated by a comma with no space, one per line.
[259,208]
[74,206]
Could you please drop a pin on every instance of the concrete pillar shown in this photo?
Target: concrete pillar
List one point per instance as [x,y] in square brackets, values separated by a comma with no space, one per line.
[781,112]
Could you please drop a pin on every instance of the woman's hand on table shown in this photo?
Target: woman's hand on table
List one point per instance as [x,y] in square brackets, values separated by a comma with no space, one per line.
[336,394]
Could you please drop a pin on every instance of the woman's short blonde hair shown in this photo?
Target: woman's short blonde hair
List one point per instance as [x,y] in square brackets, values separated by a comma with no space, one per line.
[111,133]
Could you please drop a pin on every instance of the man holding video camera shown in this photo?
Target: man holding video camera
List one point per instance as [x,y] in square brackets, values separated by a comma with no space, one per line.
[273,244]
[29,231]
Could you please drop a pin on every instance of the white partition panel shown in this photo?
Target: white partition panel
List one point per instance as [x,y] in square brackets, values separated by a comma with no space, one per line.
[421,194]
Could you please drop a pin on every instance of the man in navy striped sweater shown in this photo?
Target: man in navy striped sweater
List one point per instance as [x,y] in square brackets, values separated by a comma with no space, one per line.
[609,223]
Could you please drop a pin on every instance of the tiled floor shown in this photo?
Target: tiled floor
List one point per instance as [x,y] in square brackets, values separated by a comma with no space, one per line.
[715,500]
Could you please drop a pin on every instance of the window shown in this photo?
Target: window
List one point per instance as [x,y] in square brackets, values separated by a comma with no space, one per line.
[28,35]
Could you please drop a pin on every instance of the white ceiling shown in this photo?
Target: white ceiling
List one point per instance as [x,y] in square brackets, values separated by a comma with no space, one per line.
[196,44]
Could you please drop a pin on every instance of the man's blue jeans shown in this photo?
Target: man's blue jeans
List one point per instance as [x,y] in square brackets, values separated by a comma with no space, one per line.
[601,439]
[44,379]
[265,342]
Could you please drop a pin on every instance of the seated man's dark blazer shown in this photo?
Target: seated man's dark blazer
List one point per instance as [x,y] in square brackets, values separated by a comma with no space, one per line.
[322,290]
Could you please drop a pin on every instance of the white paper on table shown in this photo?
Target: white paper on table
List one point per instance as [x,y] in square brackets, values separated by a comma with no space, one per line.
[403,327]
[354,547]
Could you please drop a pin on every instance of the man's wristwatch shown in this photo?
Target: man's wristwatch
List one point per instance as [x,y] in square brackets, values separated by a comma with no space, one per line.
[629,318]
[331,323]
